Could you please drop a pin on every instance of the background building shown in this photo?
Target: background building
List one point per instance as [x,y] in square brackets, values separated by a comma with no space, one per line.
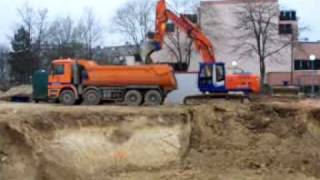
[305,73]
[219,20]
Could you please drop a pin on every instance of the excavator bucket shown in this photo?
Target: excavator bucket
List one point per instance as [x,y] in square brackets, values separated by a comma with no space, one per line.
[146,49]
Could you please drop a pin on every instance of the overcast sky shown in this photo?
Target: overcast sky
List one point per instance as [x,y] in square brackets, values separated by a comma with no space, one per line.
[307,11]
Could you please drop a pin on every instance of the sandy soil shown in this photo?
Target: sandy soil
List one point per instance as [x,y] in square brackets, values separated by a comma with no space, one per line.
[216,141]
[23,90]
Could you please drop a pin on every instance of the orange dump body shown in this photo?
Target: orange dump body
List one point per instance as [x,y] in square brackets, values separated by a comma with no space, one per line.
[118,76]
[109,76]
[244,82]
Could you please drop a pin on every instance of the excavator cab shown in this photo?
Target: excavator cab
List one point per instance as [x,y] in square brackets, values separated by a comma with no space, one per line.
[212,78]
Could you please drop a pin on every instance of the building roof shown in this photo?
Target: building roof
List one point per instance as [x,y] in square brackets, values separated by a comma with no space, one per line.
[305,49]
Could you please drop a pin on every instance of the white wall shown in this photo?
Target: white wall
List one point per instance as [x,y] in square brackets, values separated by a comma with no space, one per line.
[219,21]
[187,85]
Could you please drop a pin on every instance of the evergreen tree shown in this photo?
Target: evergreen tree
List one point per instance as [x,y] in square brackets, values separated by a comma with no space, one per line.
[22,59]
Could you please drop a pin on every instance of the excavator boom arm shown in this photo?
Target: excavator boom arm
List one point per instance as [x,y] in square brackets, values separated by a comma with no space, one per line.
[201,41]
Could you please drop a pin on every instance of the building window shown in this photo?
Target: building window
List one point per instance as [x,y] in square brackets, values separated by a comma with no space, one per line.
[285,29]
[170,27]
[192,17]
[301,65]
[316,64]
[288,16]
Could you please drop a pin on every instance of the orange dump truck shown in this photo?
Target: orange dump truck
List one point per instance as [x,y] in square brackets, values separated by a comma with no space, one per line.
[75,81]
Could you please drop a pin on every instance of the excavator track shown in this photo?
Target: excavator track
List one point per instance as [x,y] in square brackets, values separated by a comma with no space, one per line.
[204,98]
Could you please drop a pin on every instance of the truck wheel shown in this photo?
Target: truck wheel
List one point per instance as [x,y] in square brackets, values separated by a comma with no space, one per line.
[153,98]
[133,98]
[67,97]
[92,97]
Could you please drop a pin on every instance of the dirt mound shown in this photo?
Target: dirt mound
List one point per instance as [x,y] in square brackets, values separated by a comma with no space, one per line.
[220,141]
[267,139]
[23,90]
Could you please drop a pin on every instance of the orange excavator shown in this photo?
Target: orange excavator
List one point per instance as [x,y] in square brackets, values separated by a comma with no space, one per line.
[212,78]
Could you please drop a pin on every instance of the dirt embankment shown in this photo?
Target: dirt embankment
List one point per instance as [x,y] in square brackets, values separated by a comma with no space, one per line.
[217,141]
[23,90]
[261,141]
[56,142]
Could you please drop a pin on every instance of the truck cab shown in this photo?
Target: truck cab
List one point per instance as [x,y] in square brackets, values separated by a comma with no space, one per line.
[61,72]
[60,78]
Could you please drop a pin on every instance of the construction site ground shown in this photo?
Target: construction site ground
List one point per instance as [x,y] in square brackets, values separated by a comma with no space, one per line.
[268,139]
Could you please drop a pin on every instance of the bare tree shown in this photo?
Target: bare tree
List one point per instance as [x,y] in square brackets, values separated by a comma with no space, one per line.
[210,22]
[63,39]
[90,30]
[258,22]
[177,42]
[62,30]
[4,67]
[41,26]
[35,22]
[134,20]
[27,16]
[180,47]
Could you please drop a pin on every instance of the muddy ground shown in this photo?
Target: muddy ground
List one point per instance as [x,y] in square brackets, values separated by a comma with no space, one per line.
[216,141]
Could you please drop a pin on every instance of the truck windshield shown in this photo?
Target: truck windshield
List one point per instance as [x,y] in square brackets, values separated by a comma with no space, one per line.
[58,69]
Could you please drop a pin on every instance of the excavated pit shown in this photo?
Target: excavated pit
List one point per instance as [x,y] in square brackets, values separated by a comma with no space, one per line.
[219,141]
[49,142]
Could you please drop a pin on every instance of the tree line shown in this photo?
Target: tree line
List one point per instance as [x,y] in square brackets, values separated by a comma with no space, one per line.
[38,40]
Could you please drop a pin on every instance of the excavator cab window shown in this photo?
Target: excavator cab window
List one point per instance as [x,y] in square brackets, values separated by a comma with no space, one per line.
[220,73]
[206,74]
